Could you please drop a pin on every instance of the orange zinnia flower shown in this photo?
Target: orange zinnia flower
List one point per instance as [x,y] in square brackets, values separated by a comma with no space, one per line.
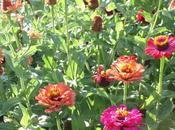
[54,96]
[8,6]
[126,69]
[35,35]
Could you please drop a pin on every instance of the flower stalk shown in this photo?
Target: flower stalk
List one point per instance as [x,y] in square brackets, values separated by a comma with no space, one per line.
[156,17]
[58,123]
[160,85]
[66,25]
[125,93]
[53,18]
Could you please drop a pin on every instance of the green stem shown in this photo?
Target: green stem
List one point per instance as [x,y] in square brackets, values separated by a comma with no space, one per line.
[125,93]
[13,32]
[53,17]
[98,49]
[156,17]
[58,122]
[22,83]
[66,23]
[160,85]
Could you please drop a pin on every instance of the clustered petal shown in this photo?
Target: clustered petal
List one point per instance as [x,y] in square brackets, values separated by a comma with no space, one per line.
[8,6]
[160,46]
[92,4]
[35,35]
[126,69]
[101,77]
[120,118]
[54,96]
[140,17]
[97,24]
[172,5]
[51,2]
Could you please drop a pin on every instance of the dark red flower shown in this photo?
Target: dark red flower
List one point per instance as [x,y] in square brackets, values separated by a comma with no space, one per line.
[54,96]
[160,46]
[8,6]
[140,18]
[97,24]
[92,4]
[51,2]
[126,69]
[109,12]
[101,77]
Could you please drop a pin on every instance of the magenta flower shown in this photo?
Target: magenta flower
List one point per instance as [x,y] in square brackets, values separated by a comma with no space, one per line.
[140,18]
[120,118]
[160,46]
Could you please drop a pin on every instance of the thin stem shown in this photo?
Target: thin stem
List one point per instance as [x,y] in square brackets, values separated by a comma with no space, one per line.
[66,23]
[22,83]
[53,18]
[125,93]
[98,49]
[58,122]
[156,17]
[160,85]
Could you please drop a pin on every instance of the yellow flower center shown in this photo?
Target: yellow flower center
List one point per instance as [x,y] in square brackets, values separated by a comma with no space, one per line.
[127,68]
[53,92]
[122,113]
[161,40]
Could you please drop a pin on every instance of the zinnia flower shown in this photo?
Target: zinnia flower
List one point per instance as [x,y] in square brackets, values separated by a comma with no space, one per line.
[92,4]
[8,7]
[109,12]
[101,77]
[2,59]
[51,2]
[120,118]
[34,35]
[54,96]
[160,46]
[126,69]
[140,17]
[30,60]
[172,5]
[97,24]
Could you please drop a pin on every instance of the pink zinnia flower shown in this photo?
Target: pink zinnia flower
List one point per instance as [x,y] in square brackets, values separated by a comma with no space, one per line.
[160,46]
[120,118]
[101,77]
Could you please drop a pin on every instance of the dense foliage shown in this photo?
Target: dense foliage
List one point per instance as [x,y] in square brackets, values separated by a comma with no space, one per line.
[106,52]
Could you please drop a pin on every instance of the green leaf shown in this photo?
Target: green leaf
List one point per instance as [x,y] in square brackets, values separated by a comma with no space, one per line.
[80,3]
[25,118]
[6,106]
[165,109]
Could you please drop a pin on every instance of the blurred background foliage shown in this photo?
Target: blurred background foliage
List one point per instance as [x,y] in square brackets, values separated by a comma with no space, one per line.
[74,62]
